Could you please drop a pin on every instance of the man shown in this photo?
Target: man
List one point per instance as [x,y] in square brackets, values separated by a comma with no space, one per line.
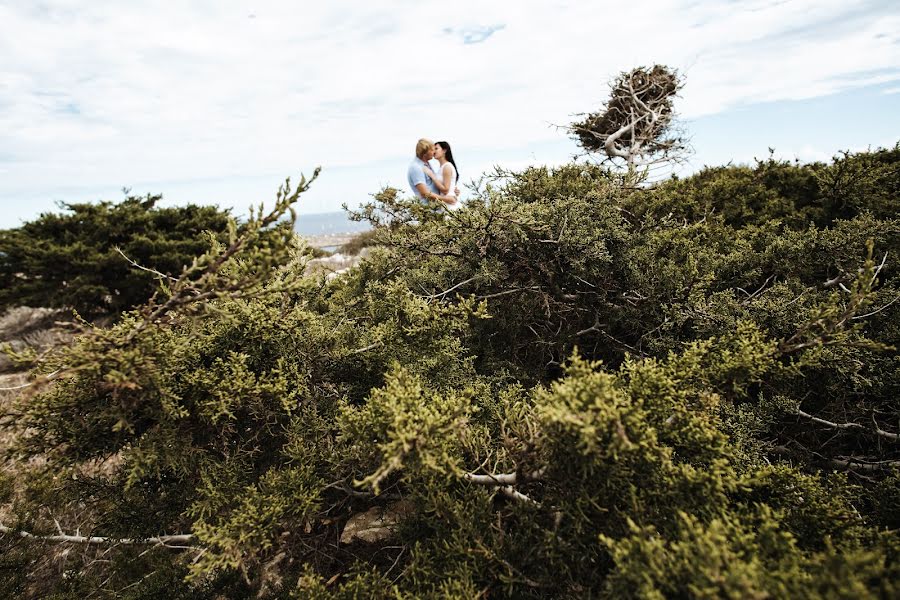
[422,185]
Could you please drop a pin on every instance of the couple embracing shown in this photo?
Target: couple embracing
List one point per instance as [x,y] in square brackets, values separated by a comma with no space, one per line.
[434,184]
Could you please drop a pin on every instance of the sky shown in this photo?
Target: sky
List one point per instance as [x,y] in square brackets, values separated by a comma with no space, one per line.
[214,101]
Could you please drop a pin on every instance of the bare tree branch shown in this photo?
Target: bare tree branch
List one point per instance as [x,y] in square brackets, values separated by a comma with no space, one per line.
[366,349]
[856,426]
[134,264]
[48,377]
[504,483]
[875,312]
[162,540]
[445,292]
[853,462]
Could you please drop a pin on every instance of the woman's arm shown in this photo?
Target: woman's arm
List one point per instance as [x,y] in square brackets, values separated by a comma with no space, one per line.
[442,183]
[447,172]
[446,200]
[443,199]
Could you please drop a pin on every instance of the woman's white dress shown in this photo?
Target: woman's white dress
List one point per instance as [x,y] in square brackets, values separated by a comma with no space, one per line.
[450,190]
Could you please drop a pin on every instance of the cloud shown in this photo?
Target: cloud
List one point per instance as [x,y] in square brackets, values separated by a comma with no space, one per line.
[151,91]
[474,35]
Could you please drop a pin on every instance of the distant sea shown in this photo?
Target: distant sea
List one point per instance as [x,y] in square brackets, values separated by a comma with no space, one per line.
[329,223]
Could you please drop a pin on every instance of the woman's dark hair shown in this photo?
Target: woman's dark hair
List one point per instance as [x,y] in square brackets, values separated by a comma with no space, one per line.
[449,154]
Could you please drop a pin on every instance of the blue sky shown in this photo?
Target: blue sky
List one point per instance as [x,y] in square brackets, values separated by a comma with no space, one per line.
[218,102]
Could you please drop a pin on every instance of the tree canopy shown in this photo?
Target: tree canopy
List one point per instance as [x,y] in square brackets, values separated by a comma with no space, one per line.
[79,258]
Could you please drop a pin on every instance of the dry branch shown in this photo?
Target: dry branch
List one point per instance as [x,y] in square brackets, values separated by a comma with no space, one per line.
[856,426]
[504,483]
[162,540]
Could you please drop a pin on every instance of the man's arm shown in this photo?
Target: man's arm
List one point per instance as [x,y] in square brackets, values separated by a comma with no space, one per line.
[425,192]
[429,195]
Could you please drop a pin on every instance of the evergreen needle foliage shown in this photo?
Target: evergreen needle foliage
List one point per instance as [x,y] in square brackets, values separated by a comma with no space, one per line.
[574,387]
[83,258]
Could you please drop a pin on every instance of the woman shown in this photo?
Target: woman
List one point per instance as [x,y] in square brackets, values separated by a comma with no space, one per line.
[446,180]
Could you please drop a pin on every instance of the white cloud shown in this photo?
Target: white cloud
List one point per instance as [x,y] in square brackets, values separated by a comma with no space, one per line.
[99,93]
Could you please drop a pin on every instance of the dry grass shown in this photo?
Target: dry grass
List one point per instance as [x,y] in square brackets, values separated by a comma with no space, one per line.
[10,384]
[22,320]
[24,328]
[36,328]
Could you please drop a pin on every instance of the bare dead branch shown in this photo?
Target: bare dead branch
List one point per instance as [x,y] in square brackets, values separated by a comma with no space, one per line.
[855,426]
[511,493]
[366,349]
[504,483]
[852,462]
[48,377]
[757,292]
[512,291]
[875,312]
[878,270]
[491,479]
[162,540]
[447,291]
[134,264]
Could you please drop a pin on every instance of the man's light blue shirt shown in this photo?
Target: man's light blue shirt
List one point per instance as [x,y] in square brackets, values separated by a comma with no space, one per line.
[415,174]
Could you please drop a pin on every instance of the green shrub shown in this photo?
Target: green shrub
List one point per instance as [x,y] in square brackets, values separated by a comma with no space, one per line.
[69,259]
[359,241]
[573,389]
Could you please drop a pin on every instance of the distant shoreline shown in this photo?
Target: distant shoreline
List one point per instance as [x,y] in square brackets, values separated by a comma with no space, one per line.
[336,223]
[328,240]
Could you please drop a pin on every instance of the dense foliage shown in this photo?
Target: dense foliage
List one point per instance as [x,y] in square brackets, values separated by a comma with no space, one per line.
[70,259]
[574,387]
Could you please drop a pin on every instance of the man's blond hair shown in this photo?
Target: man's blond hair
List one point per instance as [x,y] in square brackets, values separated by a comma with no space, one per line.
[423,146]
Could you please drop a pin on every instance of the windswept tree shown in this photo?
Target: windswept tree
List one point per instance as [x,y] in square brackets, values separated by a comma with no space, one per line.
[636,127]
